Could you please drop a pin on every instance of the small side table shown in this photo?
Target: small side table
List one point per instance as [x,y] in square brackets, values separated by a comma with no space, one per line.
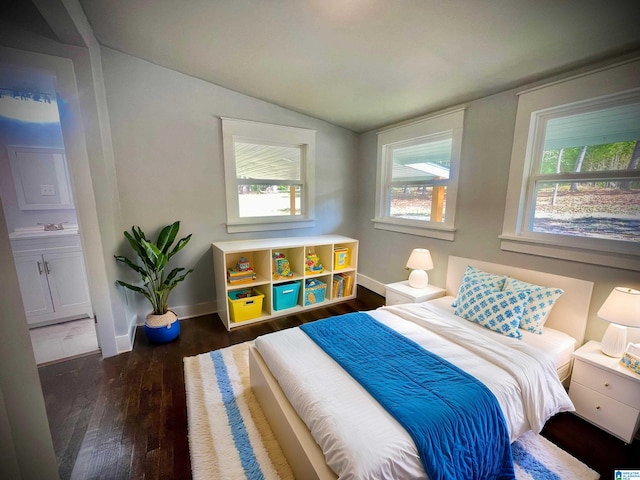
[401,292]
[605,392]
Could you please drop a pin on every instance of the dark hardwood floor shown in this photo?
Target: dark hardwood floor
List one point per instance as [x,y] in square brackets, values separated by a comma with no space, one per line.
[125,417]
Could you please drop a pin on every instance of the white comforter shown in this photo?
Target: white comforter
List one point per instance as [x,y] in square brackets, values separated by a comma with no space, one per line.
[359,438]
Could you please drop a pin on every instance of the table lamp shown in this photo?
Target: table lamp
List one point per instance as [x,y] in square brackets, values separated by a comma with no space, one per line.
[621,309]
[419,261]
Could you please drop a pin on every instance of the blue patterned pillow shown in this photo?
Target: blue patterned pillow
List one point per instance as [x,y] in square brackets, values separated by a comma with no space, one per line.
[539,304]
[496,310]
[489,280]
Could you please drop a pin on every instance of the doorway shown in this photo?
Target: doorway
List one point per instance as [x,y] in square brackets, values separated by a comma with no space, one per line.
[41,216]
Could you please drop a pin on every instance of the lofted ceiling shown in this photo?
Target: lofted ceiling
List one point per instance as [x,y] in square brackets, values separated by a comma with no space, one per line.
[363,64]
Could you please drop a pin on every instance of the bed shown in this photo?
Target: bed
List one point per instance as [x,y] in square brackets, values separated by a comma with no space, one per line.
[292,377]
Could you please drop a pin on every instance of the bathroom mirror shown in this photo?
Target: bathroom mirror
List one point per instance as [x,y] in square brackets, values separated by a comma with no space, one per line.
[41,178]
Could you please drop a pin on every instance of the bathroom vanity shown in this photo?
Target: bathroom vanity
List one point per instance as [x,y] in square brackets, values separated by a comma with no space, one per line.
[52,275]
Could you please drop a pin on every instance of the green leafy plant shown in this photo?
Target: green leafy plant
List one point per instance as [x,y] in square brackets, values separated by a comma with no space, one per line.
[154,257]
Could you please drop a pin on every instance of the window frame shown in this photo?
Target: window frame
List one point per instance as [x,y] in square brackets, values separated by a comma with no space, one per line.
[608,86]
[247,131]
[431,127]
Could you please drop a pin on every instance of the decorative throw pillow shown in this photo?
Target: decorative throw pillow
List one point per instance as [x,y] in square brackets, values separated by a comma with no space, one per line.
[489,280]
[497,310]
[539,304]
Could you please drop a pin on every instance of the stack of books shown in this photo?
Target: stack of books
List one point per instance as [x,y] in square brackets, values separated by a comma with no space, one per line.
[342,285]
[242,273]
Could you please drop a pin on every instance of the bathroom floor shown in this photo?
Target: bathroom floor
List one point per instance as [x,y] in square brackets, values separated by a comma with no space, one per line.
[64,340]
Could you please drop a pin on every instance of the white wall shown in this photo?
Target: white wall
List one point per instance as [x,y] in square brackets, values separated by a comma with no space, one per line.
[486,153]
[27,449]
[168,158]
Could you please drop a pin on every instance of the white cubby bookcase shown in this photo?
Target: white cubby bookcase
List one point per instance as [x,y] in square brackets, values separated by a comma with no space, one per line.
[259,253]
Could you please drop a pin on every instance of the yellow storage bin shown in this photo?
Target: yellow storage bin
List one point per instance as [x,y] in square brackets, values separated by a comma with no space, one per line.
[245,304]
[342,258]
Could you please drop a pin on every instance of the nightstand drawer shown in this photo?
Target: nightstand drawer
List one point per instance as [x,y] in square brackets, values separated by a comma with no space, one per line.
[611,415]
[607,383]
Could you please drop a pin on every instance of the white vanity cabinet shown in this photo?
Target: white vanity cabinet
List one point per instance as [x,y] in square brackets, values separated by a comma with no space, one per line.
[52,278]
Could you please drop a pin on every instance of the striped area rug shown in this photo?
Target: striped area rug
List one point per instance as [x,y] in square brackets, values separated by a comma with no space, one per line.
[229,437]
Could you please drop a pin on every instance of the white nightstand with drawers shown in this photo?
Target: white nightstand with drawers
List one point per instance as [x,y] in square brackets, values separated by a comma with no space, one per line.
[605,392]
[401,292]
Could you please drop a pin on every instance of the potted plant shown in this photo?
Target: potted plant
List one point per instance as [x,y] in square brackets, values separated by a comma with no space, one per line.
[162,324]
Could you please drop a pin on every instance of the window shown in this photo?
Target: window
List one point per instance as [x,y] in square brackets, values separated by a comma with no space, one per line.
[578,192]
[417,176]
[268,176]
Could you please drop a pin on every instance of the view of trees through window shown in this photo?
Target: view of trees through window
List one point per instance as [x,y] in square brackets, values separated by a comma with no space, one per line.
[419,176]
[269,179]
[416,202]
[602,197]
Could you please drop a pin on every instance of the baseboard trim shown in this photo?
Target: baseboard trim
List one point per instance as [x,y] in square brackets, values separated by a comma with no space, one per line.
[197,310]
[371,284]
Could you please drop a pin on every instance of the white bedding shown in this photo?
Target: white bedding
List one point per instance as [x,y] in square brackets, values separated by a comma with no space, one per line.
[555,343]
[359,438]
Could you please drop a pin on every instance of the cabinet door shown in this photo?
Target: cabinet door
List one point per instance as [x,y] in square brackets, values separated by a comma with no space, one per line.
[33,285]
[67,281]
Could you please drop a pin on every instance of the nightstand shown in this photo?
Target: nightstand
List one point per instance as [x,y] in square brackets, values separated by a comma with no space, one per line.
[401,292]
[604,392]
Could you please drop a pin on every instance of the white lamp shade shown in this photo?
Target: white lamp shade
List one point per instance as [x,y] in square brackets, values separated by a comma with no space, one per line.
[622,310]
[419,261]
[622,306]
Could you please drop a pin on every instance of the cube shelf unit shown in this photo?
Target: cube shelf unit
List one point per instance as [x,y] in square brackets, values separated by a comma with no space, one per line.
[259,253]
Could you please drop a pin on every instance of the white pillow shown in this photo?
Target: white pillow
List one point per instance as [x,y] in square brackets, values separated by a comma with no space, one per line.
[489,280]
[497,310]
[539,304]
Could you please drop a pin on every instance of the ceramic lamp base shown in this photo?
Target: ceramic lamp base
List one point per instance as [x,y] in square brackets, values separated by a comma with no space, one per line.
[418,279]
[614,340]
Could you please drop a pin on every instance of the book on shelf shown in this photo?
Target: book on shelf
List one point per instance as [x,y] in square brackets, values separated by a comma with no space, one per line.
[342,257]
[337,286]
[342,285]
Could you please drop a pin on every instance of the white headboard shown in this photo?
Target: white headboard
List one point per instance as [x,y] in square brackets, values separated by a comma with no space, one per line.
[571,310]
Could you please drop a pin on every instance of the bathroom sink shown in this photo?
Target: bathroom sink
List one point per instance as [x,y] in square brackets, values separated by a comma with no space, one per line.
[39,232]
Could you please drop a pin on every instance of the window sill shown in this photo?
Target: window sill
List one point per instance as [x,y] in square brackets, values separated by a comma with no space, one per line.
[440,232]
[570,251]
[254,226]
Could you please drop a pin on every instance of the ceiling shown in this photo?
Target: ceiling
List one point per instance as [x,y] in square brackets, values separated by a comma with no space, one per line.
[363,64]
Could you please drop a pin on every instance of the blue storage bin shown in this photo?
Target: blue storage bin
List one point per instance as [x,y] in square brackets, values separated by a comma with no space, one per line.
[285,295]
[314,291]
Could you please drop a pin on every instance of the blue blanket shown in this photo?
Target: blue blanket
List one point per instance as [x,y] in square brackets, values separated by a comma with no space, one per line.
[454,420]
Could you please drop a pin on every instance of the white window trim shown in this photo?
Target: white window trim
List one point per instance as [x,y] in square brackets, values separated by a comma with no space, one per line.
[532,105]
[247,130]
[450,120]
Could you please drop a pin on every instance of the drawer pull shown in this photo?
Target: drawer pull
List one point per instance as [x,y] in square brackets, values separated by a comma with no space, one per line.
[597,407]
[606,384]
